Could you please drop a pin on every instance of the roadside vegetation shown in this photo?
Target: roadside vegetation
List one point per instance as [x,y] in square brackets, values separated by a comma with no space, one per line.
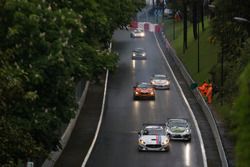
[46,47]
[222,37]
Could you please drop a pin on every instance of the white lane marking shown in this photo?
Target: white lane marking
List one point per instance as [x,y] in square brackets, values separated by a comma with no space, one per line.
[189,108]
[99,123]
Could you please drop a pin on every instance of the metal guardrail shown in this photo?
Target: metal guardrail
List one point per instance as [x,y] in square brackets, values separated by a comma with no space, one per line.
[198,97]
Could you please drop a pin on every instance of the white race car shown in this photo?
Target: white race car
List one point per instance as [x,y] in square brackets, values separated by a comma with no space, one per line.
[178,129]
[153,137]
[137,33]
[160,81]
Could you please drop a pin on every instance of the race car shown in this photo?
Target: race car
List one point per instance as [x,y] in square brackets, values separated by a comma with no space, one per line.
[178,129]
[153,137]
[139,54]
[144,90]
[160,81]
[137,33]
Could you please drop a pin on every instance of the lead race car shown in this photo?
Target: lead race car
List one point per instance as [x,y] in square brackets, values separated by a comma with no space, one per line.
[153,137]
[137,33]
[178,129]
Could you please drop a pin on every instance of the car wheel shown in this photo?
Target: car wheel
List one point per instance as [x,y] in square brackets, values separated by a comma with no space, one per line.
[153,98]
[189,140]
[135,98]
[167,149]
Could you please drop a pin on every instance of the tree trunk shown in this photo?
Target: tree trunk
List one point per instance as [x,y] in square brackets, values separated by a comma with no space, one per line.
[195,19]
[202,14]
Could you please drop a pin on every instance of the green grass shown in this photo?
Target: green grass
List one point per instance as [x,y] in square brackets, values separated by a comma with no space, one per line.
[173,30]
[208,52]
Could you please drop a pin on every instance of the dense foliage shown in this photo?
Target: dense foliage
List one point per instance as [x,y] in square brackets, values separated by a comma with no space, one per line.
[233,61]
[46,47]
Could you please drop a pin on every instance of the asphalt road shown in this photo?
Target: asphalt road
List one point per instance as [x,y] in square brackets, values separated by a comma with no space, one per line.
[116,144]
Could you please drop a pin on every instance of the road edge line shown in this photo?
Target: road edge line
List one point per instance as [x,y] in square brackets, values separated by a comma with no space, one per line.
[100,119]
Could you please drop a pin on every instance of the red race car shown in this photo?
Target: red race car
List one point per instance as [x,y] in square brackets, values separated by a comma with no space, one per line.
[144,90]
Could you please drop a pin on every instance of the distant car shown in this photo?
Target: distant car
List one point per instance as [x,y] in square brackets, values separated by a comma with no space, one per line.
[153,137]
[137,33]
[168,13]
[178,129]
[160,81]
[144,90]
[139,53]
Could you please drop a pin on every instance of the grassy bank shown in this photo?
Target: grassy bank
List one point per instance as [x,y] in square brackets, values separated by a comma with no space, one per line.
[208,52]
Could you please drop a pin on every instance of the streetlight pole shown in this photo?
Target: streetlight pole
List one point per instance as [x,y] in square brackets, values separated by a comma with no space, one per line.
[198,40]
[174,25]
[222,73]
[241,19]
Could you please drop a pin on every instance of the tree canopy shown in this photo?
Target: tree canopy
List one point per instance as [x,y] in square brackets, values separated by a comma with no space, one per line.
[46,47]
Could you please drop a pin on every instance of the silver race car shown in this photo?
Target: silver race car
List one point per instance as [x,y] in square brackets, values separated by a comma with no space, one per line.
[137,33]
[153,137]
[160,81]
[178,129]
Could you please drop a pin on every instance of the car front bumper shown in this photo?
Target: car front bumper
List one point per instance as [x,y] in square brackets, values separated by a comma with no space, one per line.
[155,147]
[178,136]
[161,86]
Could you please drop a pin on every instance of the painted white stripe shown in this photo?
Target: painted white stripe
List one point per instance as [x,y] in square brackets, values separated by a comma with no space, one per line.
[99,123]
[189,108]
[100,119]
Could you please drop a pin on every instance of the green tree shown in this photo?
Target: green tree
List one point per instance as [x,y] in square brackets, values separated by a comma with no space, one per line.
[242,118]
[45,48]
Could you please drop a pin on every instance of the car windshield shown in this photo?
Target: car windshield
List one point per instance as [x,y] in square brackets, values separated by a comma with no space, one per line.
[139,50]
[155,131]
[161,77]
[138,30]
[144,85]
[178,124]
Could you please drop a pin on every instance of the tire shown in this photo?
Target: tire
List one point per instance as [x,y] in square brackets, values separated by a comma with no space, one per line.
[135,98]
[139,149]
[167,149]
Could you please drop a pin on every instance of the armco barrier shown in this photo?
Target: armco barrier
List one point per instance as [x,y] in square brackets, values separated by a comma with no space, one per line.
[199,98]
[54,155]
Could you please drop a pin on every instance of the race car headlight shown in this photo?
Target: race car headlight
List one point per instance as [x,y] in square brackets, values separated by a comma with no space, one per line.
[142,142]
[167,82]
[133,54]
[143,54]
[136,93]
[165,142]
[187,131]
[152,93]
